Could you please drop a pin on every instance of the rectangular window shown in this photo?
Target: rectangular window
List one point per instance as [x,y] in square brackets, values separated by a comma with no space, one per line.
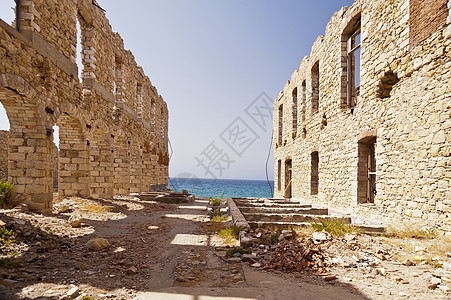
[280,124]
[353,66]
[315,87]
[279,174]
[304,100]
[295,112]
[314,173]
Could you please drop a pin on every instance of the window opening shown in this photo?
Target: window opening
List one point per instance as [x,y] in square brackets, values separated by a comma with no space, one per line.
[288,178]
[295,112]
[353,50]
[280,124]
[366,173]
[315,87]
[314,177]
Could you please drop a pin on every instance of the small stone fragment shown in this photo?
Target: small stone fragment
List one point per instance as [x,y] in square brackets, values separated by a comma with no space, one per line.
[63,209]
[75,221]
[97,244]
[132,270]
[319,236]
[72,293]
[330,277]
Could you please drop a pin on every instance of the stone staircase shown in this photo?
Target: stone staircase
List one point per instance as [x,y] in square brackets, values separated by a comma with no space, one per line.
[286,214]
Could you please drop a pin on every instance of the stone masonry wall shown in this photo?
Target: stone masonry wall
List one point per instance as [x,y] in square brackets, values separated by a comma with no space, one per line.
[113,124]
[402,108]
[3,155]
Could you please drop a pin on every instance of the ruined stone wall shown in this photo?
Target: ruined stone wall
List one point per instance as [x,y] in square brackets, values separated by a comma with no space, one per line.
[4,155]
[107,123]
[403,101]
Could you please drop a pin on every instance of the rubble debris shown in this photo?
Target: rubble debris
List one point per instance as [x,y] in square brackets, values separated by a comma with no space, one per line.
[97,244]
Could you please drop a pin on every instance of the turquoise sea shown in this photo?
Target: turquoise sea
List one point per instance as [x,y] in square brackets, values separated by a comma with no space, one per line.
[215,187]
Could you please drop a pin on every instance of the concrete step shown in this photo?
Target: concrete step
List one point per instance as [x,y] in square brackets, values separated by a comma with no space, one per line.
[284,210]
[370,228]
[292,218]
[276,205]
[267,201]
[279,225]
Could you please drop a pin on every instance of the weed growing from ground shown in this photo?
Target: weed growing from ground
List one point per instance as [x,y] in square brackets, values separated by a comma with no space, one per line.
[6,236]
[6,192]
[216,201]
[230,233]
[335,227]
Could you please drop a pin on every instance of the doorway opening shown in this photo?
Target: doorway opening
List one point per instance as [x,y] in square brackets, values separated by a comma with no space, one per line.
[366,173]
[288,178]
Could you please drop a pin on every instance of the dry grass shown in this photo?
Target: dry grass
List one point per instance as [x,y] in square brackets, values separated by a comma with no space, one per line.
[411,231]
[335,227]
[230,234]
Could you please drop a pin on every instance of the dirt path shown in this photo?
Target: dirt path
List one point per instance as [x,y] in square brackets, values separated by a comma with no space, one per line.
[157,251]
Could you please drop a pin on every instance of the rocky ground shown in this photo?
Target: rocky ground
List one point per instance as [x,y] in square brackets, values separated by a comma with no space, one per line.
[131,249]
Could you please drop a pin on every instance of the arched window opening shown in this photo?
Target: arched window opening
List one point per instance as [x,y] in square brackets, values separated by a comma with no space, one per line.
[4,144]
[280,124]
[55,154]
[79,53]
[351,60]
[366,170]
[288,178]
[314,175]
[139,100]
[304,100]
[294,97]
[315,87]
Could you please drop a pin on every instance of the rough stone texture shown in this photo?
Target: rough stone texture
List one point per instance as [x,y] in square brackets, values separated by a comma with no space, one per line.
[3,155]
[401,112]
[113,123]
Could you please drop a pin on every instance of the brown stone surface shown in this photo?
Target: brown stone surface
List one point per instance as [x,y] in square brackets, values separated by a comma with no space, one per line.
[109,119]
[384,152]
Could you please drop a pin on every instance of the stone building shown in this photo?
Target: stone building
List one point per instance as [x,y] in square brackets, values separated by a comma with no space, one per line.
[364,125]
[113,124]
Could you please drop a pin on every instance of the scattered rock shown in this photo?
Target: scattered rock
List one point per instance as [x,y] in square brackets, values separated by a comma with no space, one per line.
[2,223]
[75,221]
[97,244]
[432,286]
[319,236]
[72,293]
[330,277]
[256,265]
[63,209]
[132,270]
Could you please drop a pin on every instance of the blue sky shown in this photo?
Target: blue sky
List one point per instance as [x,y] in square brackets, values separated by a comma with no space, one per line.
[210,60]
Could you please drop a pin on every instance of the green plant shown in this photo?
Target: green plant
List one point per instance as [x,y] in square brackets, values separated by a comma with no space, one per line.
[6,236]
[6,192]
[216,201]
[412,231]
[231,232]
[86,297]
[335,227]
[219,218]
